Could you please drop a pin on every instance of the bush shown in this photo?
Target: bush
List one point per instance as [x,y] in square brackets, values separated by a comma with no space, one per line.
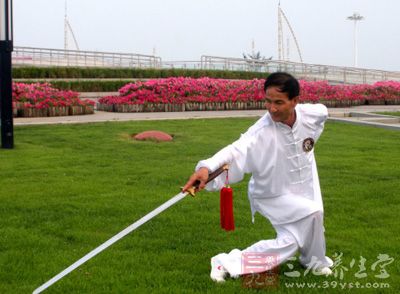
[124,73]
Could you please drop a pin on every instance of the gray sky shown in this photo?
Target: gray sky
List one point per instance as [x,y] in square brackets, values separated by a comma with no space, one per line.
[185,30]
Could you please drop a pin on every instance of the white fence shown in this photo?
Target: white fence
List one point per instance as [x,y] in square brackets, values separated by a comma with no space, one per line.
[58,57]
[333,74]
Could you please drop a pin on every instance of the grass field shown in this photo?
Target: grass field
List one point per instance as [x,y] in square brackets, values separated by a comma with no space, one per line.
[393,113]
[65,189]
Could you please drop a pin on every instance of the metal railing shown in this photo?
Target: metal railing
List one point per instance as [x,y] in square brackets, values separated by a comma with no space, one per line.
[184,64]
[59,57]
[333,74]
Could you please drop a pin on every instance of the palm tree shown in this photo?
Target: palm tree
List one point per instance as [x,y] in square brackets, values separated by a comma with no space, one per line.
[255,60]
[255,56]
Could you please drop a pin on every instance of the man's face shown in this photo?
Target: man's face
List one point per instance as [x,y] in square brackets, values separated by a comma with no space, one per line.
[279,106]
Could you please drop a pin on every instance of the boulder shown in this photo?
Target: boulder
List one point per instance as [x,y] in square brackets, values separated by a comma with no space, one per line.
[153,136]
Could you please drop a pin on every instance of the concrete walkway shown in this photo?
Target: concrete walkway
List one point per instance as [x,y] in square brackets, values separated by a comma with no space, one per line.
[357,115]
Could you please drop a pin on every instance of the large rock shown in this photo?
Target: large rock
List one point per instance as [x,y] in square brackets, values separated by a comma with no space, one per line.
[153,135]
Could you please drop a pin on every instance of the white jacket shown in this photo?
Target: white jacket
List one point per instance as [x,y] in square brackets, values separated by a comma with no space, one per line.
[284,186]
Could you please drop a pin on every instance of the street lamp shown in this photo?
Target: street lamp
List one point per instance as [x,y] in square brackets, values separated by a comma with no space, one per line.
[6,47]
[355,17]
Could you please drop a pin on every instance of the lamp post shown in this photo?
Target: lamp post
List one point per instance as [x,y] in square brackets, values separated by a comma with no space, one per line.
[6,47]
[355,17]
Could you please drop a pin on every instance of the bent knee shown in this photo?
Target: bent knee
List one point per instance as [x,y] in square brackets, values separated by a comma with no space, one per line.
[288,240]
[318,215]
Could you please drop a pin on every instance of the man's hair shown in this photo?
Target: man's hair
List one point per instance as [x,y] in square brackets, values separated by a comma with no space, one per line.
[285,82]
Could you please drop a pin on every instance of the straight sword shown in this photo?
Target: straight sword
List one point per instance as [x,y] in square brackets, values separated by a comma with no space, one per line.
[128,230]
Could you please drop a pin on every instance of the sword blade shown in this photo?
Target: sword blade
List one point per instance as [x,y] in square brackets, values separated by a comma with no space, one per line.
[112,240]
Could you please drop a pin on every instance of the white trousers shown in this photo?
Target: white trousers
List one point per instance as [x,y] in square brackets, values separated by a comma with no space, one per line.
[305,236]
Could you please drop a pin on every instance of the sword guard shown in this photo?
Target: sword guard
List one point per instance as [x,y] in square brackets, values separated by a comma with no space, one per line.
[192,191]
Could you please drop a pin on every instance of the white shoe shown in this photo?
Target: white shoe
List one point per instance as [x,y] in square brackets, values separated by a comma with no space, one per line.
[329,260]
[326,271]
[218,272]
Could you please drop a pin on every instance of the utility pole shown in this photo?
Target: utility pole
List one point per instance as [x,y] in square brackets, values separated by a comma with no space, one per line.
[6,48]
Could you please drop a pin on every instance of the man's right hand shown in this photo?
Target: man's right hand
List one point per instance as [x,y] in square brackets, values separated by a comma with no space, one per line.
[201,175]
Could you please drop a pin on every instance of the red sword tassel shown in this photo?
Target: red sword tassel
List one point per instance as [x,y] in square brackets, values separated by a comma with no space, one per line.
[226,206]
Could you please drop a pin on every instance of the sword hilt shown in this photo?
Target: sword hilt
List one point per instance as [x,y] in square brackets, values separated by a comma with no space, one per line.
[211,176]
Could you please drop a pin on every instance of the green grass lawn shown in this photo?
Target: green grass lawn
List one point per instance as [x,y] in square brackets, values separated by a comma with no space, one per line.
[65,189]
[393,113]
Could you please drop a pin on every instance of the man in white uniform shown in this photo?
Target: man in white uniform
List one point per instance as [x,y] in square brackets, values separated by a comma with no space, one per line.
[278,150]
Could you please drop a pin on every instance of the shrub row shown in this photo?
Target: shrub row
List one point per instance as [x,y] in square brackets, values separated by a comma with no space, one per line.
[182,94]
[41,99]
[126,73]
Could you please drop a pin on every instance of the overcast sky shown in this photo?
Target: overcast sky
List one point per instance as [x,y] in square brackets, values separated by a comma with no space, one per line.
[185,30]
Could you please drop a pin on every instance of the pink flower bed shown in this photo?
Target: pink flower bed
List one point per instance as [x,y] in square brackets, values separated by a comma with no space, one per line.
[184,90]
[245,93]
[379,92]
[41,99]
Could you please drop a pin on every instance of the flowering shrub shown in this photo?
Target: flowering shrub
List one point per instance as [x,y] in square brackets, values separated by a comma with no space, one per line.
[41,99]
[321,91]
[42,95]
[189,91]
[184,90]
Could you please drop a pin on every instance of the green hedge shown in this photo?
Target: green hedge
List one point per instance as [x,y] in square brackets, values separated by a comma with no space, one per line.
[125,73]
[94,73]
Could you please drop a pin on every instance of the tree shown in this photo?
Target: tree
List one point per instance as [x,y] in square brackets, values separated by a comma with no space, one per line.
[255,56]
[255,60]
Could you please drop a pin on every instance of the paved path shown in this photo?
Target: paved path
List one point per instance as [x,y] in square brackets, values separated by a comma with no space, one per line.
[338,114]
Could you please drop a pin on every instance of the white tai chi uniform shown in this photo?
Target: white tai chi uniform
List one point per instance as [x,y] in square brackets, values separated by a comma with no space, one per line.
[284,186]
